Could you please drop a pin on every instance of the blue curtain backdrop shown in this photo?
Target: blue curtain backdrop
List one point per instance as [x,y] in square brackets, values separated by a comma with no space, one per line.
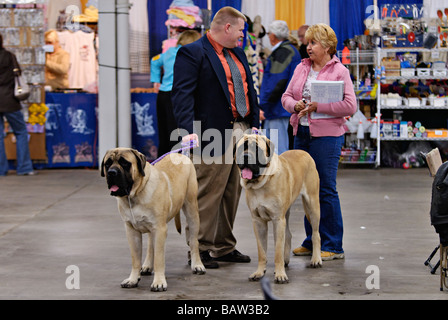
[157,29]
[346,18]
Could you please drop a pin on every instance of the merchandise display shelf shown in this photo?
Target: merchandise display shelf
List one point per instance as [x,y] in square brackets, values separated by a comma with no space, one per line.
[404,107]
[414,139]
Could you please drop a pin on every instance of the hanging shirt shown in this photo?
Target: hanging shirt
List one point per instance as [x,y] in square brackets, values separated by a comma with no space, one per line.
[84,66]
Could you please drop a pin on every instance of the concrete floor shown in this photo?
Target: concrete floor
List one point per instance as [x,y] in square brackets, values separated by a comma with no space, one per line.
[62,218]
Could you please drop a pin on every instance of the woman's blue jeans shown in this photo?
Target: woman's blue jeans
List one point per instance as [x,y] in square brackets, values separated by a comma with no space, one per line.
[326,152]
[18,125]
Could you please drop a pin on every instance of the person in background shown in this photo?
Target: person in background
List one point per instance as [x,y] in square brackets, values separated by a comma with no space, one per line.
[10,109]
[57,63]
[278,72]
[301,33]
[213,91]
[321,136]
[163,64]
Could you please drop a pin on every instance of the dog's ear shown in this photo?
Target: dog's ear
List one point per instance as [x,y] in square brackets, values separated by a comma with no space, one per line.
[141,162]
[269,148]
[102,165]
[235,145]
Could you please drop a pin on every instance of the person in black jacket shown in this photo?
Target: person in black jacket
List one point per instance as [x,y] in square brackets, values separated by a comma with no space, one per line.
[439,203]
[10,109]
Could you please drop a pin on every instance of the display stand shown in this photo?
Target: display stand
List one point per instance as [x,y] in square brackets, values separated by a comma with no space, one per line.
[437,106]
[72,128]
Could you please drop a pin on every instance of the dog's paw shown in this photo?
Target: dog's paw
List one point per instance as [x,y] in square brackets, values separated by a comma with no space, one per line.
[198,269]
[146,271]
[257,275]
[129,283]
[159,285]
[281,278]
[316,262]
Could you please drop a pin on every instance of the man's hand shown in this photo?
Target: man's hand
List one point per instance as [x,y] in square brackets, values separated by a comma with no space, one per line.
[191,137]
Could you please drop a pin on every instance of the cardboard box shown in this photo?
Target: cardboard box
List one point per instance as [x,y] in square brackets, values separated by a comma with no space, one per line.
[426,72]
[439,73]
[36,143]
[437,133]
[393,73]
[391,64]
[407,72]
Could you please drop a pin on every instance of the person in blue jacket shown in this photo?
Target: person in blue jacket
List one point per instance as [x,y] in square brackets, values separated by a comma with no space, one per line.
[162,67]
[278,72]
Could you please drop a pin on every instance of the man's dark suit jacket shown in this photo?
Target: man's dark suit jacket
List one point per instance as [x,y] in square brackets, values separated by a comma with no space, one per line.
[200,91]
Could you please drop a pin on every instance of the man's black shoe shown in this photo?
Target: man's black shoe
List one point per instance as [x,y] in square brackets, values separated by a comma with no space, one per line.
[234,256]
[206,259]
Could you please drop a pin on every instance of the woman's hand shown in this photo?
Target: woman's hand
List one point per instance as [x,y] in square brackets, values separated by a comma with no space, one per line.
[157,87]
[309,107]
[301,105]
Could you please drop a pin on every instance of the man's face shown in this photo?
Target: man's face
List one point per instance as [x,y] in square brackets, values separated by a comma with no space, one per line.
[234,34]
[53,43]
[301,34]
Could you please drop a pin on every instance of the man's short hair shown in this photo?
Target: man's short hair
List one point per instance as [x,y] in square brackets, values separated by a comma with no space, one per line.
[227,15]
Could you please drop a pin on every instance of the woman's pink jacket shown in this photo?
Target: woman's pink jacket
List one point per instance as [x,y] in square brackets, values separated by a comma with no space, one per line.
[334,70]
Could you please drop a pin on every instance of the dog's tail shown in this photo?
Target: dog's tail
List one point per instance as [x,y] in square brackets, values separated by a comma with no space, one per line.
[177,222]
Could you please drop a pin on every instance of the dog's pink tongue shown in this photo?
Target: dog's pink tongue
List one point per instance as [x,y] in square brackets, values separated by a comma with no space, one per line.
[246,174]
[114,188]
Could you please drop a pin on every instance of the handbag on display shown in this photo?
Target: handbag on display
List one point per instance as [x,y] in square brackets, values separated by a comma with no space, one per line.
[21,88]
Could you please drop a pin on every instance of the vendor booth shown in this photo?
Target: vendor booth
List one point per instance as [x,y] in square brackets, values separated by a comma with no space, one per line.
[396,52]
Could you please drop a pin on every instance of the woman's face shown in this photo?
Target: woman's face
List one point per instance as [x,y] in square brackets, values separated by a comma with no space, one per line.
[316,51]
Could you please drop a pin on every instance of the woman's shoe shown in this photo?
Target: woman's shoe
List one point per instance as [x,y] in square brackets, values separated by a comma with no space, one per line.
[327,256]
[302,251]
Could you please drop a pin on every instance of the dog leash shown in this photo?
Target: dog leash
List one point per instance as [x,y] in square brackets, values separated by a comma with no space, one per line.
[185,146]
[188,146]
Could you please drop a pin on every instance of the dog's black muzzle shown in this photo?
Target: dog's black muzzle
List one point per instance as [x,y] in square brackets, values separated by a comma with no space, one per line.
[119,183]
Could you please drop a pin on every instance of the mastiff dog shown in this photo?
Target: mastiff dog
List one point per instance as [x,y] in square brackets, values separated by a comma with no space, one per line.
[272,183]
[148,198]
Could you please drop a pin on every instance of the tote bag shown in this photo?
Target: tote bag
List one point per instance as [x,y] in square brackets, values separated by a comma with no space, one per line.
[21,88]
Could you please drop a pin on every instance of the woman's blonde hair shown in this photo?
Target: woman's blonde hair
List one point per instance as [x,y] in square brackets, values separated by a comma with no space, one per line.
[52,36]
[188,36]
[323,34]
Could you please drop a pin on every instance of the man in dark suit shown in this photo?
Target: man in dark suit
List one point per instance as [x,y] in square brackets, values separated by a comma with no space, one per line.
[213,96]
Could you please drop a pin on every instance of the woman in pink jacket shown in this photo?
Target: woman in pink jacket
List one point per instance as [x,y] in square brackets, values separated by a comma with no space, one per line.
[322,135]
